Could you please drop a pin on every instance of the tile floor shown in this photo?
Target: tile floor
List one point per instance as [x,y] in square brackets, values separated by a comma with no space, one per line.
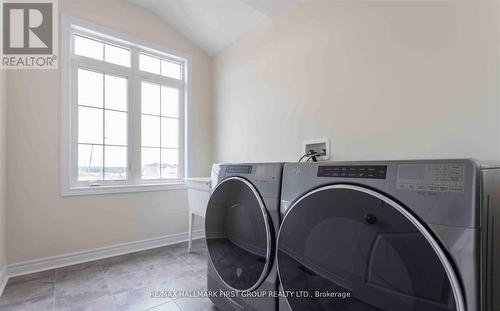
[118,283]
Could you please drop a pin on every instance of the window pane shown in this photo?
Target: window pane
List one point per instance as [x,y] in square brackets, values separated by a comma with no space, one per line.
[116,93]
[169,133]
[170,69]
[116,128]
[89,162]
[150,158]
[115,163]
[149,63]
[117,55]
[169,102]
[88,47]
[90,88]
[150,131]
[169,163]
[90,125]
[150,98]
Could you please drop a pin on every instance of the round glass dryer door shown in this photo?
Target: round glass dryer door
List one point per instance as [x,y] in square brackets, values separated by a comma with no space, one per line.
[348,248]
[238,234]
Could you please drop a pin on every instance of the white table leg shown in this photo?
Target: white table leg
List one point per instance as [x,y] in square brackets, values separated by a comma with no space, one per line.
[191,220]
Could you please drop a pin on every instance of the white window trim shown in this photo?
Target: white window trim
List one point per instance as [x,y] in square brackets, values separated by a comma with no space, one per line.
[69,186]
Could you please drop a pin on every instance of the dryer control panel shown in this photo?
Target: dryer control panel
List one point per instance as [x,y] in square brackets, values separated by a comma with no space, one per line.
[353,171]
[431,177]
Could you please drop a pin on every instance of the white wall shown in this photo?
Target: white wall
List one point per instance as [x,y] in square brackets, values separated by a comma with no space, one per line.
[382,80]
[41,223]
[3,104]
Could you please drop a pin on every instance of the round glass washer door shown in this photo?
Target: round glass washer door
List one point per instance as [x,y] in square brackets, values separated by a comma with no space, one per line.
[238,234]
[348,248]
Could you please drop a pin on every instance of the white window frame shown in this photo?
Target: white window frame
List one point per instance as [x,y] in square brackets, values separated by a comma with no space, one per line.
[69,107]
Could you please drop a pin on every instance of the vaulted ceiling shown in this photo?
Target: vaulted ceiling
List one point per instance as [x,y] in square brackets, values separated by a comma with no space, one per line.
[213,25]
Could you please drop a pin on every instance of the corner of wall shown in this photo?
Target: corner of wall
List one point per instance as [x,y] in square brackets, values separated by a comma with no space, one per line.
[213,59]
[3,128]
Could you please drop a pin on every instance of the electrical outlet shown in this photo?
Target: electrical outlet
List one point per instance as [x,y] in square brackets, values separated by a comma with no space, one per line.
[320,146]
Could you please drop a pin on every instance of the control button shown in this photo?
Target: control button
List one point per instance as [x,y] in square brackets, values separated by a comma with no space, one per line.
[444,188]
[432,188]
[457,189]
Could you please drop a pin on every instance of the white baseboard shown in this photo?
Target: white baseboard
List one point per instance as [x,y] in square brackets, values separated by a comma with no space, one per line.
[69,259]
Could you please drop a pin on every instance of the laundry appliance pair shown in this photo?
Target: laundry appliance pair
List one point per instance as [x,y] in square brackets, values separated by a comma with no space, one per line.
[355,236]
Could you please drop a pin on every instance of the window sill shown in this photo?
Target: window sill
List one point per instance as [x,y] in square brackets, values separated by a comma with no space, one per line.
[109,189]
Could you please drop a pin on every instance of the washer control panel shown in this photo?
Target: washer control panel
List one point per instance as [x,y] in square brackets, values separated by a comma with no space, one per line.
[431,177]
[267,172]
[353,171]
[239,169]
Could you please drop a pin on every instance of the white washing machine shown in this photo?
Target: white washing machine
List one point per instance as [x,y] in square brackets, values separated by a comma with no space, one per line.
[390,236]
[241,224]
